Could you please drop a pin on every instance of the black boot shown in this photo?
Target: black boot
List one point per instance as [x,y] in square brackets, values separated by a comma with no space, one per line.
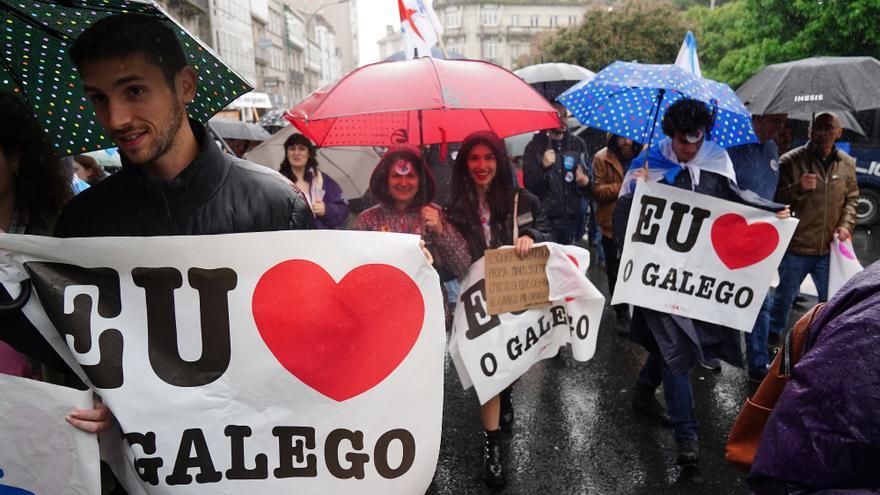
[493,465]
[688,452]
[506,409]
[645,403]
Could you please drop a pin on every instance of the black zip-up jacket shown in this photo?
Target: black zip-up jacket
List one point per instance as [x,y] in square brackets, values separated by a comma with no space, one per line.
[560,197]
[216,194]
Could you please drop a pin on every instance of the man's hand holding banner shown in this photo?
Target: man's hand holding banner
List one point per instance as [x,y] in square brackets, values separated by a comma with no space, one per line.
[491,351]
[250,363]
[697,256]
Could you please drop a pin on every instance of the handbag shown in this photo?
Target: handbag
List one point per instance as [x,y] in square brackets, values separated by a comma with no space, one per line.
[742,443]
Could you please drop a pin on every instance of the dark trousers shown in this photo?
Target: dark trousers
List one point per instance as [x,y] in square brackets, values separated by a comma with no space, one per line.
[676,391]
[612,265]
[564,231]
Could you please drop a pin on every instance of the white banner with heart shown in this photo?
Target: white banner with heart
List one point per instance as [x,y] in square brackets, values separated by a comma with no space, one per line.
[697,256]
[256,363]
[492,351]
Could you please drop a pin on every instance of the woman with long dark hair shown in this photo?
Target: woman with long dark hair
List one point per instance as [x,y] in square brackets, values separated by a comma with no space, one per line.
[300,165]
[491,212]
[33,189]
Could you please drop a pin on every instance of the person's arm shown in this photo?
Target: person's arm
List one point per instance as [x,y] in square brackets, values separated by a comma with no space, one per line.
[790,189]
[451,249]
[603,191]
[335,205]
[535,174]
[539,228]
[847,219]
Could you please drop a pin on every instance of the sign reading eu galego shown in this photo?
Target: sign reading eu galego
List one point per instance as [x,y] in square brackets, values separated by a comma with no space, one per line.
[491,351]
[697,256]
[256,363]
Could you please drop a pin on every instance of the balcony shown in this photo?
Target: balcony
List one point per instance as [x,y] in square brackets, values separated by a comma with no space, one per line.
[296,77]
[261,55]
[199,4]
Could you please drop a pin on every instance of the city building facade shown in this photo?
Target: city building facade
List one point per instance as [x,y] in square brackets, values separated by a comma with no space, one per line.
[502,32]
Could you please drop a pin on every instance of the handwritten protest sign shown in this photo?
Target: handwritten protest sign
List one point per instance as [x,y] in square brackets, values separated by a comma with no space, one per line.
[40,451]
[515,283]
[491,351]
[251,363]
[698,256]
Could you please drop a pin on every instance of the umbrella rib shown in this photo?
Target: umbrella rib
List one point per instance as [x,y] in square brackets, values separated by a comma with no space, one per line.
[29,20]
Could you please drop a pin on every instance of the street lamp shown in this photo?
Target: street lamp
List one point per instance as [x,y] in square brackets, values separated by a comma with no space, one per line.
[309,19]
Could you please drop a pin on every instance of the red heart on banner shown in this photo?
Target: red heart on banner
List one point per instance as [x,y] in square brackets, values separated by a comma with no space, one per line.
[739,244]
[340,339]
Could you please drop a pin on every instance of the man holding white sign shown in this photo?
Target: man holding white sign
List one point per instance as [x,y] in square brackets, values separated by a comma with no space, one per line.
[686,298]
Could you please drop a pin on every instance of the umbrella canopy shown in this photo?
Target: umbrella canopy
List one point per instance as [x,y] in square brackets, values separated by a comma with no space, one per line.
[235,129]
[435,52]
[813,84]
[551,80]
[421,101]
[630,99]
[35,65]
[350,167]
[847,120]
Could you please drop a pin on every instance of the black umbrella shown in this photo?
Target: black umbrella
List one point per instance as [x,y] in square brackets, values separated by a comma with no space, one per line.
[551,80]
[814,84]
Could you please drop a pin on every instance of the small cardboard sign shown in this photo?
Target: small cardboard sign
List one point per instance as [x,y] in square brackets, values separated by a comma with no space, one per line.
[515,283]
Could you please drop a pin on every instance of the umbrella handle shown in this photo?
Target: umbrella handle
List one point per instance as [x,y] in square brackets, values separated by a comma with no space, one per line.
[660,95]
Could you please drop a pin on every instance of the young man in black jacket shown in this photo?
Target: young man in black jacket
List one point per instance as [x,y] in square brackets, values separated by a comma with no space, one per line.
[174,179]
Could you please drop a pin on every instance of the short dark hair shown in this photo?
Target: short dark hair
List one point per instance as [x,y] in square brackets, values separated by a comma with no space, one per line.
[124,34]
[686,116]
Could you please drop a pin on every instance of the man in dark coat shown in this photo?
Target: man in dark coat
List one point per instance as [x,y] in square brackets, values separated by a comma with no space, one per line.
[823,434]
[174,180]
[554,170]
[676,344]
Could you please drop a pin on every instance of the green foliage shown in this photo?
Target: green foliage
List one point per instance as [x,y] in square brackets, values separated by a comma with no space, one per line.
[648,31]
[742,36]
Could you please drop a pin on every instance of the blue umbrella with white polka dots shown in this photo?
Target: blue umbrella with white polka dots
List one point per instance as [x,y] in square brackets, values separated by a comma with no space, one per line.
[629,99]
[34,65]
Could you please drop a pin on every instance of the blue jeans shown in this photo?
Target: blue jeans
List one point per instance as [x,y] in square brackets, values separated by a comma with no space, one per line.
[676,391]
[757,357]
[792,271]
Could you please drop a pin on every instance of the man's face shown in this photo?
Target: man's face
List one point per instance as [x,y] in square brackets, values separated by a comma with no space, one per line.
[825,131]
[561,113]
[768,127]
[626,147]
[136,105]
[685,146]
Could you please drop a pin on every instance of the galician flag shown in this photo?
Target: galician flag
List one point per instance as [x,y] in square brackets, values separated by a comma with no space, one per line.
[687,55]
[420,27]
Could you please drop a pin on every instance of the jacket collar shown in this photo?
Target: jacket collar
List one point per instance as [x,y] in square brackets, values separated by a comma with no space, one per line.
[196,183]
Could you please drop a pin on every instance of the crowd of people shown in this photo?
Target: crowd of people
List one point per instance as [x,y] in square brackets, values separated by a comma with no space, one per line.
[175,181]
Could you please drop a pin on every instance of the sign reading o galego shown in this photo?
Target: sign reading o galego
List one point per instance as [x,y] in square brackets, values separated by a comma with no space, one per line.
[697,256]
[259,363]
[491,351]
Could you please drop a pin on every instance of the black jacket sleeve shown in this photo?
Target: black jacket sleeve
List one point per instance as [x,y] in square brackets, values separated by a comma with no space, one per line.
[539,228]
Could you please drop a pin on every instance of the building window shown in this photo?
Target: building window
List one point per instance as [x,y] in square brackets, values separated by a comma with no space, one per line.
[514,20]
[453,19]
[514,51]
[553,21]
[490,50]
[572,20]
[490,17]
[533,21]
[455,49]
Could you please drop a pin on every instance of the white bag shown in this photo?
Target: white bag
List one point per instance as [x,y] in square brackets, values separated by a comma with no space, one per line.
[843,264]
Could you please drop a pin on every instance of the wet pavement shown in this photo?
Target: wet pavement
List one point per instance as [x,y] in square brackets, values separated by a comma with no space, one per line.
[575,433]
